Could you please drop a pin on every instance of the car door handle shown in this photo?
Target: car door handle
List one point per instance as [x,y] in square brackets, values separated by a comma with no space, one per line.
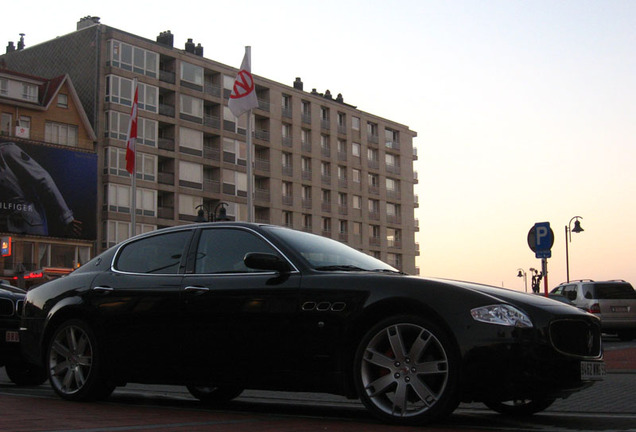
[103,289]
[196,289]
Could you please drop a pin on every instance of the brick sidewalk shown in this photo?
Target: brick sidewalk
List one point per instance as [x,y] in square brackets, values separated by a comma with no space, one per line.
[623,359]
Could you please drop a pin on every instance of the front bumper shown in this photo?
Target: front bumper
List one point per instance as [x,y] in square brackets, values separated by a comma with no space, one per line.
[554,361]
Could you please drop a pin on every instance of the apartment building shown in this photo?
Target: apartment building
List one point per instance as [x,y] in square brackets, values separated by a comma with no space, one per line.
[48,178]
[320,164]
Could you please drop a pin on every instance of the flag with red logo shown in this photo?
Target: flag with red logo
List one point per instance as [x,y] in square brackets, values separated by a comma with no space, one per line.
[132,134]
[243,97]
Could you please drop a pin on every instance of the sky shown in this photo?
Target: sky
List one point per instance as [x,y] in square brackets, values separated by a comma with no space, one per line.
[525,111]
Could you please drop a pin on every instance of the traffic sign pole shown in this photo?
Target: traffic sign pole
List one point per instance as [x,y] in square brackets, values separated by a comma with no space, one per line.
[544,269]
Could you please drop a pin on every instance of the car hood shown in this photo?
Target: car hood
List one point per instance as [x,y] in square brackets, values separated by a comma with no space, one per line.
[514,297]
[11,290]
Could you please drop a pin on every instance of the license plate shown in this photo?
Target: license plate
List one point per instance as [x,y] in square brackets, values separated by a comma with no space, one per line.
[12,336]
[619,309]
[592,370]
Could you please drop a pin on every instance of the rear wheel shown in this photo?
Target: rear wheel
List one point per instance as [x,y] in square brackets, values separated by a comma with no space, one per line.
[520,407]
[406,371]
[75,364]
[214,394]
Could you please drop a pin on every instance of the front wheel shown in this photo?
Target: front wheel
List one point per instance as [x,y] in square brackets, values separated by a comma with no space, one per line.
[75,363]
[520,407]
[406,371]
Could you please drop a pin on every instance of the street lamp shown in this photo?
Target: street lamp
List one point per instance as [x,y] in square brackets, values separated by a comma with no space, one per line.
[212,216]
[568,238]
[523,274]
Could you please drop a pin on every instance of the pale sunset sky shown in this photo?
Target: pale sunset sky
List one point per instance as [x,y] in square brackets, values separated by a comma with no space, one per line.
[525,110]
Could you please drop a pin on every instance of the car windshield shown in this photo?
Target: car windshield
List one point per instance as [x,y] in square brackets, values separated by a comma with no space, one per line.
[326,254]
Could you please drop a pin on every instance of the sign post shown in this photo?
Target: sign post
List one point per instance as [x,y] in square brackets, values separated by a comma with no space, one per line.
[540,240]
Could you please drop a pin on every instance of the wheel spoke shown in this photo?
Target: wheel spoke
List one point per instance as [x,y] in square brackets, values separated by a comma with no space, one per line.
[432,367]
[423,392]
[420,345]
[378,359]
[395,339]
[400,399]
[379,386]
[61,350]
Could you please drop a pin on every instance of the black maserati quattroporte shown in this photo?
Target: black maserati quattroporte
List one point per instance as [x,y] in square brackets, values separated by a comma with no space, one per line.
[223,307]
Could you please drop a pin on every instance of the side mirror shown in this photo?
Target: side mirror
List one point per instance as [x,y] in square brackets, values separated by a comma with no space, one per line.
[265,261]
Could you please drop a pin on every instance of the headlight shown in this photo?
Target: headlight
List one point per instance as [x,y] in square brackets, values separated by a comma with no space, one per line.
[501,314]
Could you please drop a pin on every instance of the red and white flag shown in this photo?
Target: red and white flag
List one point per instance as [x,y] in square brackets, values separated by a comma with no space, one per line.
[132,134]
[243,97]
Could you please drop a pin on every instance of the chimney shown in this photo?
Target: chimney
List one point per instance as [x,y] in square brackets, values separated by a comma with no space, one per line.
[21,42]
[10,48]
[298,84]
[339,98]
[198,50]
[166,38]
[189,46]
[87,21]
[328,95]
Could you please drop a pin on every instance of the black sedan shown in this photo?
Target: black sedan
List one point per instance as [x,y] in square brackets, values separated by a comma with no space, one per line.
[18,371]
[224,307]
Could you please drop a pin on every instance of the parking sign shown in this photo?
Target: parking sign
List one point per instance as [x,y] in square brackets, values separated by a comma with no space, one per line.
[541,239]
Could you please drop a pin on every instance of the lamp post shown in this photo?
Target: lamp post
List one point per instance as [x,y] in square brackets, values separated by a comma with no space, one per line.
[523,274]
[212,216]
[568,238]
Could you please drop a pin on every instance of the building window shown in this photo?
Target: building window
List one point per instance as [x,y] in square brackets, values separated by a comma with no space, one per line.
[120,91]
[117,127]
[307,222]
[191,106]
[29,92]
[60,133]
[357,202]
[115,164]
[326,225]
[4,86]
[286,106]
[6,124]
[356,150]
[234,183]
[355,123]
[190,175]
[305,111]
[191,139]
[119,200]
[191,73]
[355,174]
[62,101]
[130,58]
[234,151]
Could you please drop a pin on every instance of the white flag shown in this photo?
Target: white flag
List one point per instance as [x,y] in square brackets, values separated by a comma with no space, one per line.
[243,97]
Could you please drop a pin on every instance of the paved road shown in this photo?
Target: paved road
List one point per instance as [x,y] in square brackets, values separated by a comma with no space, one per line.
[609,405]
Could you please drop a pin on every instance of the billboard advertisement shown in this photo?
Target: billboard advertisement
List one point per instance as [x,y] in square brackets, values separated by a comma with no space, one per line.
[47,191]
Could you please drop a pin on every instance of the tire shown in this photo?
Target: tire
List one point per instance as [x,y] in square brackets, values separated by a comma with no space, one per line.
[25,374]
[406,371]
[521,407]
[74,363]
[211,394]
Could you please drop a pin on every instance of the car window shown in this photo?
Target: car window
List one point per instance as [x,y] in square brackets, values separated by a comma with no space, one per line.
[159,254]
[588,291]
[615,291]
[221,250]
[569,292]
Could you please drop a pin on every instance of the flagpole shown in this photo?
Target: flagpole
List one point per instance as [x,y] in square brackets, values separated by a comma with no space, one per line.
[250,175]
[133,200]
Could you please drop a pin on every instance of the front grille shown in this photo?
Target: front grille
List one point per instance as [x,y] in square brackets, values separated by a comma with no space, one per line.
[19,306]
[576,337]
[6,307]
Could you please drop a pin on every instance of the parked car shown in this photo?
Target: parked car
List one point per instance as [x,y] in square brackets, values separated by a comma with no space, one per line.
[223,307]
[18,371]
[614,302]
